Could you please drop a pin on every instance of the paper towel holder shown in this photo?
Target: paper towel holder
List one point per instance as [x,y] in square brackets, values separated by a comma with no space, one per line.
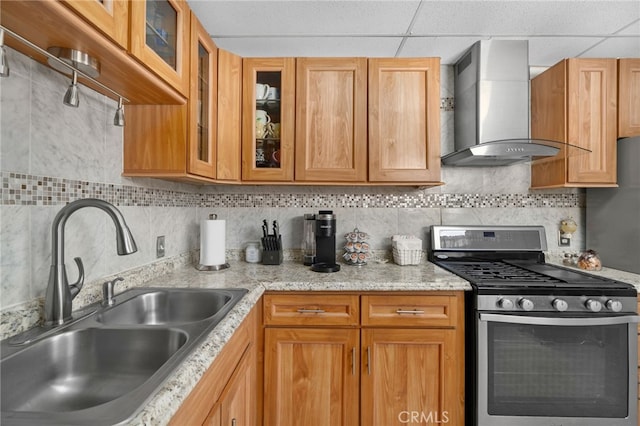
[201,267]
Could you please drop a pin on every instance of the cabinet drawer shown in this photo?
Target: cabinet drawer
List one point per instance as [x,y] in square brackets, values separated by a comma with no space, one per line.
[310,310]
[408,311]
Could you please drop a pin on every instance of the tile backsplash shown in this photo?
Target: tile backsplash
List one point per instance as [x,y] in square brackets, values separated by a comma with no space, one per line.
[51,154]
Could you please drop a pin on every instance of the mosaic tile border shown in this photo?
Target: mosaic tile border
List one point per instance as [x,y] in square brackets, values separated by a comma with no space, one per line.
[24,189]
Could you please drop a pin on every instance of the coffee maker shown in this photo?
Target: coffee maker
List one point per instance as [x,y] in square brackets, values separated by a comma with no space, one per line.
[325,242]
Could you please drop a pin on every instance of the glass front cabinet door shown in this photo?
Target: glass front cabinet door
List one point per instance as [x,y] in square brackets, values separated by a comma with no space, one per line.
[202,102]
[160,39]
[268,119]
[109,16]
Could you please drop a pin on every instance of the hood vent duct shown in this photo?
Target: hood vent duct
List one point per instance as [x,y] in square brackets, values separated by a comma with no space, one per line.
[492,107]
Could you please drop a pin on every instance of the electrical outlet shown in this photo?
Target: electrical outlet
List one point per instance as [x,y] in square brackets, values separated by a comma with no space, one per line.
[160,246]
[563,241]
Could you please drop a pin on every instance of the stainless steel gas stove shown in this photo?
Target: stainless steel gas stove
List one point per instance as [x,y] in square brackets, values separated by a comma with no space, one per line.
[546,345]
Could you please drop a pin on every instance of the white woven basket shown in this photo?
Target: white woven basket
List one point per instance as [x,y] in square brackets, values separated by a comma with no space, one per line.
[407,257]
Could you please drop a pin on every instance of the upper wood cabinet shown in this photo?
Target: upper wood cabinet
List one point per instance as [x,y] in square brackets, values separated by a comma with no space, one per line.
[110,16]
[331,120]
[404,120]
[575,102]
[628,97]
[180,141]
[159,38]
[72,25]
[268,119]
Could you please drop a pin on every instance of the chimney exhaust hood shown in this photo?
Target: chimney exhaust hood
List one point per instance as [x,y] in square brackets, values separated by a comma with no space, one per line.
[492,107]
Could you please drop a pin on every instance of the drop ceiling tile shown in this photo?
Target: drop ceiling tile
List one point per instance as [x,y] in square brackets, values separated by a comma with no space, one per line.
[547,51]
[329,17]
[615,48]
[311,46]
[525,17]
[448,49]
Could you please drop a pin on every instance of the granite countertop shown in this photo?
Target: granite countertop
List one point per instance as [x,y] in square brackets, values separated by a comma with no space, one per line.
[258,278]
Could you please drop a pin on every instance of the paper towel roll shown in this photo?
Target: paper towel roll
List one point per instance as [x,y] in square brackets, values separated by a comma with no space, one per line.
[212,242]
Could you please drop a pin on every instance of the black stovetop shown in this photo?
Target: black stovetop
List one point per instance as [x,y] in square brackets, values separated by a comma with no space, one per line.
[520,274]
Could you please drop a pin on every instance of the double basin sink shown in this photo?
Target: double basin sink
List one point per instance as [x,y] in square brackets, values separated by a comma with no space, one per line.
[102,368]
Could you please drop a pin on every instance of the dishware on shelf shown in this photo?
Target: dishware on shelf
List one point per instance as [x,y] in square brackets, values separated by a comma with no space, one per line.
[273,130]
[262,91]
[273,93]
[262,122]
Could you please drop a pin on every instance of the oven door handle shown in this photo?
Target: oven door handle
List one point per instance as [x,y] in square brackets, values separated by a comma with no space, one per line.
[517,319]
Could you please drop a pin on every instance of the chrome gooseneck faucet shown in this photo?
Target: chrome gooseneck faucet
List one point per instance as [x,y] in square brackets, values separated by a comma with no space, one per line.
[57,306]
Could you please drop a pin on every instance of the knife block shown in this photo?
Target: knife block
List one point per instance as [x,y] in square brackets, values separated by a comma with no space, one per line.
[272,257]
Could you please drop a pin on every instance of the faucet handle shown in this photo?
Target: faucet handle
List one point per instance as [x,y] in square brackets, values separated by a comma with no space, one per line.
[107,292]
[77,286]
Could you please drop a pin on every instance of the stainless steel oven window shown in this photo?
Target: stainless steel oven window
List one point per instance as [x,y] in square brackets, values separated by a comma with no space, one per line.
[546,371]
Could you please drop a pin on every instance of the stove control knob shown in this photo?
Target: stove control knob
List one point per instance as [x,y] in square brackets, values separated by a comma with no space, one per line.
[525,304]
[593,305]
[560,305]
[505,304]
[614,305]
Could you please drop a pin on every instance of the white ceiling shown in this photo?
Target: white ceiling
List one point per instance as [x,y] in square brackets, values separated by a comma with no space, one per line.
[414,28]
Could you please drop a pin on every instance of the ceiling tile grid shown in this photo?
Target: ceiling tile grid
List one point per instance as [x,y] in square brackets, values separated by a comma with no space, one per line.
[412,28]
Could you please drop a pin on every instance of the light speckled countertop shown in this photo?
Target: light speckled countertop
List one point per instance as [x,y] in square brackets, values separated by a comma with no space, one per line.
[259,278]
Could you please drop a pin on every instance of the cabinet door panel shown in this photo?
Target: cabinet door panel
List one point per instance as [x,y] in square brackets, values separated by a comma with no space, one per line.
[268,156]
[229,140]
[592,120]
[312,377]
[410,372]
[110,16]
[238,402]
[202,102]
[628,97]
[159,37]
[404,120]
[331,134]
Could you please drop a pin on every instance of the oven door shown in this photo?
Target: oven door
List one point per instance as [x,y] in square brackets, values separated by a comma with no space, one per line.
[556,371]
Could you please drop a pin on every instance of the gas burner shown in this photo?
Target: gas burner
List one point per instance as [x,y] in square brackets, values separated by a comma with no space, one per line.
[480,272]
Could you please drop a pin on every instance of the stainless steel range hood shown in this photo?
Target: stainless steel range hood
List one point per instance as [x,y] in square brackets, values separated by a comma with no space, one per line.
[492,107]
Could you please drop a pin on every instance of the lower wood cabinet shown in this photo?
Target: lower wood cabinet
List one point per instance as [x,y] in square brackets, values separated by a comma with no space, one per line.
[237,403]
[228,393]
[311,377]
[403,360]
[409,374]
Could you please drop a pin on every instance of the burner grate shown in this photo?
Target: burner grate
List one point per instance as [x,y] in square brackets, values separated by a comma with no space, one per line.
[498,271]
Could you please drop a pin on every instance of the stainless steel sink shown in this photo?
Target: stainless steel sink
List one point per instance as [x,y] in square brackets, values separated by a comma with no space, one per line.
[102,368]
[84,368]
[167,306]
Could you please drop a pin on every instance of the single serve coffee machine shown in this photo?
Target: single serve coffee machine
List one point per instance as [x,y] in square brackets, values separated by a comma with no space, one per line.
[325,242]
